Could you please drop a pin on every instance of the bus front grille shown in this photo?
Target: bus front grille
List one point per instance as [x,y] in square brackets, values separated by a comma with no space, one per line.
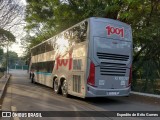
[110,56]
[113,69]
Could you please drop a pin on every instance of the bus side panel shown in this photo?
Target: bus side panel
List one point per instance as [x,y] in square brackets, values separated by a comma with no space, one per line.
[72,66]
[42,66]
[78,77]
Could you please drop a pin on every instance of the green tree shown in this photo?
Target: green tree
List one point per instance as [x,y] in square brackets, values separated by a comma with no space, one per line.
[6,37]
[1,56]
[12,59]
[49,17]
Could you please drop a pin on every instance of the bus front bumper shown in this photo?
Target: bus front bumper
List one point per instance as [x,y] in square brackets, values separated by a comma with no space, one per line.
[96,92]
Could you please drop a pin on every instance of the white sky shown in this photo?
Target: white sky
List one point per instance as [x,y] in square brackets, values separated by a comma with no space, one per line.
[23,1]
[17,47]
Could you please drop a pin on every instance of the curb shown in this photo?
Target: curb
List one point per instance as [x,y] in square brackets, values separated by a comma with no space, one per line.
[145,94]
[4,82]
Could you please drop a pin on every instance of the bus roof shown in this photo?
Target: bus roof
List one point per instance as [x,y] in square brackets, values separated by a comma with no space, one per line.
[92,19]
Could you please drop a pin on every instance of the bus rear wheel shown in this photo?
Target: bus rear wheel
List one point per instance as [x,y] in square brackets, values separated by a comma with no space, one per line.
[64,88]
[56,86]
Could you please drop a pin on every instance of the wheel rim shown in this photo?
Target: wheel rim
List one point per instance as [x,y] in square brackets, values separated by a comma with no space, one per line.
[64,87]
[56,85]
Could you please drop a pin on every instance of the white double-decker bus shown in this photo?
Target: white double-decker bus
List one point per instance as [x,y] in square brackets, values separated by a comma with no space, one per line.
[91,59]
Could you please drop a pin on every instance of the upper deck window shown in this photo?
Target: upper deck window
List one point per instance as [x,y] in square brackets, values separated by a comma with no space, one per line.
[77,33]
[66,39]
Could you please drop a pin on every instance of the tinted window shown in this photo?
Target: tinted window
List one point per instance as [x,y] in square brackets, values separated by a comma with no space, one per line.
[43,66]
[49,46]
[74,35]
[42,48]
[77,33]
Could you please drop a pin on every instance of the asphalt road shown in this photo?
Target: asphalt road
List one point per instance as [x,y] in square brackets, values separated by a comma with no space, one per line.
[22,95]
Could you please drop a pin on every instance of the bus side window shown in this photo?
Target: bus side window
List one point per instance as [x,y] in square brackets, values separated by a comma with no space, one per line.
[36,51]
[39,50]
[38,67]
[49,66]
[49,46]
[46,66]
[83,31]
[53,43]
[42,48]
[68,35]
[43,67]
[33,66]
[80,32]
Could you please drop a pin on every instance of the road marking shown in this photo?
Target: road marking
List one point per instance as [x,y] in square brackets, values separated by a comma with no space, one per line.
[14,109]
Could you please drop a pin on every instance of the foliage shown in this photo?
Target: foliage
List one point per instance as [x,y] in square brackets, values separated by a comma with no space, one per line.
[10,14]
[48,17]
[6,37]
[12,58]
[1,54]
[146,79]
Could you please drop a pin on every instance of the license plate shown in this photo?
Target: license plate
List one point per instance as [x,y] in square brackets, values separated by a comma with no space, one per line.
[112,93]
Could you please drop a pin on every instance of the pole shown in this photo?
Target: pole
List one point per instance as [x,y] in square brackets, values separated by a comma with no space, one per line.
[6,63]
[7,59]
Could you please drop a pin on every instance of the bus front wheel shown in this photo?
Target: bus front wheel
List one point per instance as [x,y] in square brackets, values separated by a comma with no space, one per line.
[64,88]
[56,86]
[32,78]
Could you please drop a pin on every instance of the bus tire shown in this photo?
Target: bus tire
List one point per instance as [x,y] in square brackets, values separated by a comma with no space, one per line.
[64,88]
[127,95]
[32,78]
[56,86]
[30,75]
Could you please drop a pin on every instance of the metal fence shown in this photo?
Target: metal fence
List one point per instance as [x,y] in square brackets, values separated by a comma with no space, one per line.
[19,67]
